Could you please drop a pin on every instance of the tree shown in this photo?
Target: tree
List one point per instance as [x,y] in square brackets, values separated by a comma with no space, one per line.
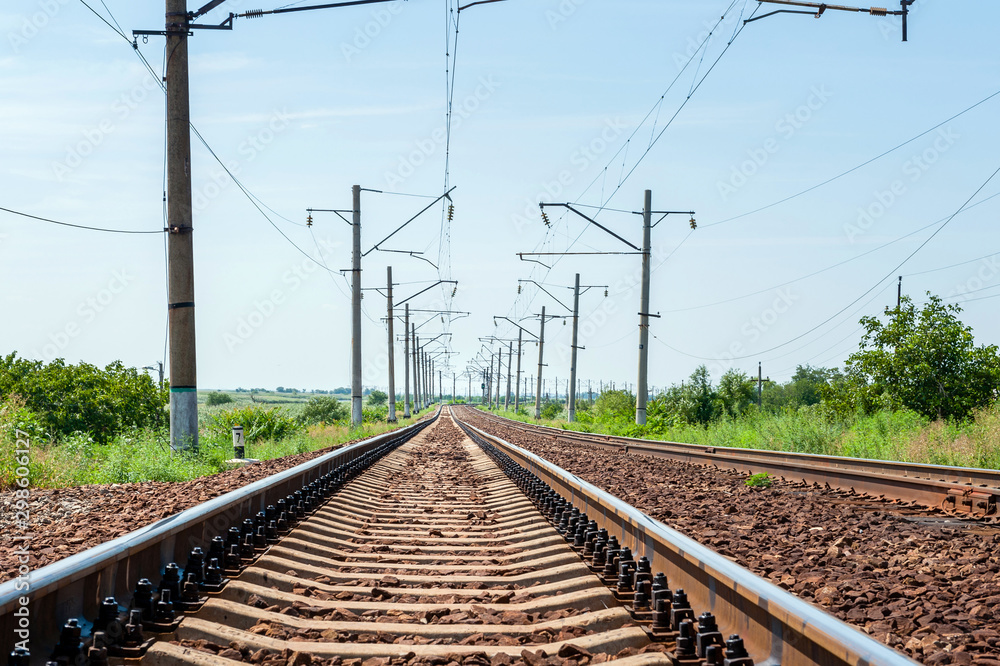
[699,398]
[218,398]
[921,360]
[324,409]
[614,406]
[805,388]
[377,398]
[737,392]
[84,398]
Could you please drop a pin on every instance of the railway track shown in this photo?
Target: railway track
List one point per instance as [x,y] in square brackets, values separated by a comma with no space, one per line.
[434,545]
[966,492]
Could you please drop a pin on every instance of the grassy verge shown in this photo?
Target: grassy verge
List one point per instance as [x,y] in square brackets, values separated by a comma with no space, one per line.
[902,435]
[145,455]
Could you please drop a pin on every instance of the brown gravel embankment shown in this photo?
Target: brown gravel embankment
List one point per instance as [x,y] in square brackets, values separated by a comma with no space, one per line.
[924,585]
[66,521]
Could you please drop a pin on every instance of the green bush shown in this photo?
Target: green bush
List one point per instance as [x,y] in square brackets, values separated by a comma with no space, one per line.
[374,414]
[218,398]
[324,409]
[83,398]
[259,423]
[551,410]
[377,398]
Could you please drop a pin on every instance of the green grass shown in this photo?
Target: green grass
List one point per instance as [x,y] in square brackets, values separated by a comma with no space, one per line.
[145,455]
[901,435]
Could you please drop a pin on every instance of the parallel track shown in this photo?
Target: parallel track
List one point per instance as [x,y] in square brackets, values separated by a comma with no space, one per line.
[958,490]
[427,548]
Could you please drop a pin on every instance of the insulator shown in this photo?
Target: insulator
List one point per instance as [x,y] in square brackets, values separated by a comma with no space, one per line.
[519,289]
[878,11]
[564,322]
[442,319]
[545,219]
[451,212]
[605,293]
[454,291]
[309,221]
[254,13]
[694,225]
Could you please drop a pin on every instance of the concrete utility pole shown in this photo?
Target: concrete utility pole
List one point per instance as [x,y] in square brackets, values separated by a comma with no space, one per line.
[640,394]
[356,390]
[510,358]
[416,369]
[440,389]
[541,350]
[499,374]
[454,387]
[760,385]
[180,247]
[470,388]
[517,384]
[392,354]
[571,409]
[406,361]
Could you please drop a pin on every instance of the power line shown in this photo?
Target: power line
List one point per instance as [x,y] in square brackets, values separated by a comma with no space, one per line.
[891,273]
[853,169]
[78,226]
[961,263]
[547,238]
[118,29]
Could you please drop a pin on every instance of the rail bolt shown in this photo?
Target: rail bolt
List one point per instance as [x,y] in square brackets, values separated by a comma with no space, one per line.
[736,653]
[69,645]
[714,656]
[685,640]
[164,608]
[107,614]
[142,599]
[133,629]
[97,654]
[195,565]
[680,609]
[171,580]
[708,633]
[213,572]
[624,578]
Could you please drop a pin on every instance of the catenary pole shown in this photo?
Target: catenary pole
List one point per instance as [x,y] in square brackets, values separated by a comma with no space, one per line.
[571,408]
[392,354]
[180,246]
[640,390]
[517,384]
[417,398]
[356,390]
[541,351]
[510,357]
[406,362]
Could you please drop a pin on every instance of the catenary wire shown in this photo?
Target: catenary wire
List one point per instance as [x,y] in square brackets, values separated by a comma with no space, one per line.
[891,273]
[859,166]
[78,226]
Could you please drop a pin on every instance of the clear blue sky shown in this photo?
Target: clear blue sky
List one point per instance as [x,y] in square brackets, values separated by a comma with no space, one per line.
[547,95]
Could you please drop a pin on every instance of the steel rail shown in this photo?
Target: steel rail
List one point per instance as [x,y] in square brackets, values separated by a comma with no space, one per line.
[962,490]
[75,586]
[777,627]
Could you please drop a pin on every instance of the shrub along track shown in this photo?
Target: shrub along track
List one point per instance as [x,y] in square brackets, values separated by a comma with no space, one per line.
[66,521]
[919,581]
